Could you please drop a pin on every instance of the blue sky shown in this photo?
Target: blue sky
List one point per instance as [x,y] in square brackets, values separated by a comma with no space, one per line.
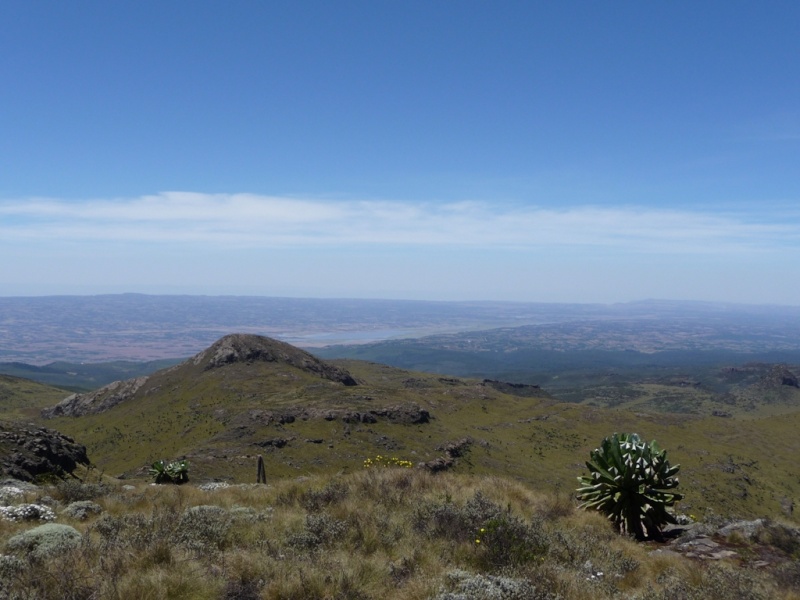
[527,151]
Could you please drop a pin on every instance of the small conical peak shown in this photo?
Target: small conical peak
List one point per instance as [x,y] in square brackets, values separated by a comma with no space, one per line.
[247,348]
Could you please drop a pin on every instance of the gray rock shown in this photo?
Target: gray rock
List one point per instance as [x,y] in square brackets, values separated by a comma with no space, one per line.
[28,451]
[747,529]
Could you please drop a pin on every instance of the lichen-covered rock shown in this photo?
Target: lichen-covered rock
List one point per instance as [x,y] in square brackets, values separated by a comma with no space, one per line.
[44,541]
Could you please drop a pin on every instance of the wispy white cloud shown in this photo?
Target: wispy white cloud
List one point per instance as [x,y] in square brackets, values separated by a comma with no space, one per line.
[252,220]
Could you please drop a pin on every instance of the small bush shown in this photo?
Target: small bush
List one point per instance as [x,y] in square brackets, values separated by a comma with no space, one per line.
[466,586]
[247,514]
[506,540]
[45,541]
[27,512]
[451,521]
[204,527]
[82,510]
[458,523]
[315,500]
[10,568]
[319,530]
[10,493]
[73,490]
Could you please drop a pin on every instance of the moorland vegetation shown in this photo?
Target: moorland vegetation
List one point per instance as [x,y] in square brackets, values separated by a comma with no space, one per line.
[489,509]
[381,532]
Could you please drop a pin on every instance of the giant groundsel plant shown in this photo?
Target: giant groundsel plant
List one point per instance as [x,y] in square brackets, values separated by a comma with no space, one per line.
[630,482]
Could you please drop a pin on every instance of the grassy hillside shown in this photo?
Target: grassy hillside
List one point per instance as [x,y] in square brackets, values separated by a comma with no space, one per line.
[79,377]
[221,419]
[690,381]
[22,399]
[499,523]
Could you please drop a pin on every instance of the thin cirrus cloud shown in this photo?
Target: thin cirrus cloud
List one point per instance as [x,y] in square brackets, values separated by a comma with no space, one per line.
[253,220]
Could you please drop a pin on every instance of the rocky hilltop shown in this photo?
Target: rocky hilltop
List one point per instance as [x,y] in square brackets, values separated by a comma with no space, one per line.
[245,348]
[28,451]
[234,349]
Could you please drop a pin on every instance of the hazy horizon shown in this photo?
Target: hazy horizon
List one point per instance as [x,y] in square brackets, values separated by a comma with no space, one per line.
[528,152]
[634,301]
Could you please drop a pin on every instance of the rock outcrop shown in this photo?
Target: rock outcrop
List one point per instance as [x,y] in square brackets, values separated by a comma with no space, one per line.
[777,376]
[524,390]
[245,348]
[28,451]
[452,451]
[97,401]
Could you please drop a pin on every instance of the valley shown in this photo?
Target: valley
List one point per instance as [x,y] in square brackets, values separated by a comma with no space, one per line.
[718,385]
[263,397]
[418,468]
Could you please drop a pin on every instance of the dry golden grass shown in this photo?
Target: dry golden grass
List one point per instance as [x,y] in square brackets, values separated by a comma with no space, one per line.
[390,533]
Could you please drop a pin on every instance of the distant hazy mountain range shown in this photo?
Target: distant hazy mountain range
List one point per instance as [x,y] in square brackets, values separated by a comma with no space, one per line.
[135,327]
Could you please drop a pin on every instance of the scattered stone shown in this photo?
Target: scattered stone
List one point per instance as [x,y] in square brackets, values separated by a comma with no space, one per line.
[409,414]
[456,449]
[357,417]
[273,443]
[437,464]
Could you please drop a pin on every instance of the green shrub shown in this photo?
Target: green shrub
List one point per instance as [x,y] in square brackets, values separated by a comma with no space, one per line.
[629,482]
[176,472]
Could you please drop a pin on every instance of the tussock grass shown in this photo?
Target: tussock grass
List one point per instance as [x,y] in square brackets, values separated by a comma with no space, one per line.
[379,533]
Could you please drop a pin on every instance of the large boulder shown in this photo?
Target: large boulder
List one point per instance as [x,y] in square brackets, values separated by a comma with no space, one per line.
[28,451]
